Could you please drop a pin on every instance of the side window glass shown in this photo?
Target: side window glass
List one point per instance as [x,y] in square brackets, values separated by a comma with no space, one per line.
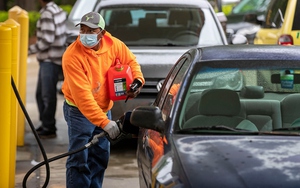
[296,23]
[275,14]
[168,81]
[173,87]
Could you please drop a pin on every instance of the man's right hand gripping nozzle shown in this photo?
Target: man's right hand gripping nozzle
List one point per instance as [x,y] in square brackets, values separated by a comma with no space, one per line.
[112,129]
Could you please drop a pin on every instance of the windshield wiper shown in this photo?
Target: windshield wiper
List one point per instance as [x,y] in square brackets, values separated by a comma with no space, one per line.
[287,128]
[216,127]
[170,44]
[278,132]
[287,131]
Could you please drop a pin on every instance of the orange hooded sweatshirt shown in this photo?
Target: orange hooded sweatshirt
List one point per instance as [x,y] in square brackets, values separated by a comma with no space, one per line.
[85,73]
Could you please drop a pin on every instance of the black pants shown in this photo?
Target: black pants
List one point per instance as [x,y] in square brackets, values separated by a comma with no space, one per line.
[46,93]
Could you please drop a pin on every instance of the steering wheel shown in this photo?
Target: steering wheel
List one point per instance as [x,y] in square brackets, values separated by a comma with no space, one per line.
[186,32]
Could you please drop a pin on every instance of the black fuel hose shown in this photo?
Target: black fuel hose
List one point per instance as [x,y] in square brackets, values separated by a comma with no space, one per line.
[95,140]
[92,142]
[46,160]
[34,132]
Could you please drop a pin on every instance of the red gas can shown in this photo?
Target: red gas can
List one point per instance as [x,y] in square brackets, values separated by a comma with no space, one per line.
[119,78]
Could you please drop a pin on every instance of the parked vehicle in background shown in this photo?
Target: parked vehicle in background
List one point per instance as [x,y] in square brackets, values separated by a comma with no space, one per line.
[223,5]
[246,18]
[227,116]
[157,32]
[282,24]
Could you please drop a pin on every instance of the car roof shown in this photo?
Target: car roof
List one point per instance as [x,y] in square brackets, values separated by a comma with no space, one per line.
[250,52]
[194,3]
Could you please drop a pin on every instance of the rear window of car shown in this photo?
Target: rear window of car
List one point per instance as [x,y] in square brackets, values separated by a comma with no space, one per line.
[296,23]
[275,14]
[246,6]
[80,8]
[162,26]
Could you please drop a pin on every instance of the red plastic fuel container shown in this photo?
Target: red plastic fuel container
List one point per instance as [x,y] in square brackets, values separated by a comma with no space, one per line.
[119,78]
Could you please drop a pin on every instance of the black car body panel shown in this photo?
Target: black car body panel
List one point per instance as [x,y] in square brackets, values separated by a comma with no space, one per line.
[243,159]
[191,139]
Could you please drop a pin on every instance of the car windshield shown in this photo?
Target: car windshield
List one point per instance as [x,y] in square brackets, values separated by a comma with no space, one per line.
[247,6]
[242,101]
[162,26]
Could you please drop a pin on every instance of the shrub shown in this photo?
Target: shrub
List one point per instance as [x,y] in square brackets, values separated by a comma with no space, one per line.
[33,17]
[66,8]
[3,16]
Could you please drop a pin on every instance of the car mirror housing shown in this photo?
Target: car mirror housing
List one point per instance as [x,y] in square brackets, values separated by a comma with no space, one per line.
[149,117]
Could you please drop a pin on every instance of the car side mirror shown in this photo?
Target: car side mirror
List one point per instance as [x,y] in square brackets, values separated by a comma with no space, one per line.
[148,117]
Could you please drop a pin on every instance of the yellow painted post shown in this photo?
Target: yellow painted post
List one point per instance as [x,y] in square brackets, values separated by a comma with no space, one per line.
[14,72]
[5,102]
[23,20]
[14,12]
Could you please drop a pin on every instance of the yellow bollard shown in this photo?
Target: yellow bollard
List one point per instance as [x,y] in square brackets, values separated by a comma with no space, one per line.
[15,27]
[23,20]
[5,102]
[14,12]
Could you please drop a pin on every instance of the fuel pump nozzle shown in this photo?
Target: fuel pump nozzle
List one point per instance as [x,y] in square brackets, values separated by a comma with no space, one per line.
[126,129]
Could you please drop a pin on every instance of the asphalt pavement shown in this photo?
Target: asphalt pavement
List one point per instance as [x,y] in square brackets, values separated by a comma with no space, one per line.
[122,168]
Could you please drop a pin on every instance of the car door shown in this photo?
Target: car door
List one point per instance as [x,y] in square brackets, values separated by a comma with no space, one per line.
[151,144]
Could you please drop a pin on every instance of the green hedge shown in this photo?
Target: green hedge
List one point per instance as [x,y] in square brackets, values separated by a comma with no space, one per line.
[3,16]
[33,17]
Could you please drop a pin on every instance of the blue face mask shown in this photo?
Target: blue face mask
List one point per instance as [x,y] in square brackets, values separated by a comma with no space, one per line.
[89,40]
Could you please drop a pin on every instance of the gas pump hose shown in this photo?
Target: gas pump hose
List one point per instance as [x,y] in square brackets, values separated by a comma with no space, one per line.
[46,160]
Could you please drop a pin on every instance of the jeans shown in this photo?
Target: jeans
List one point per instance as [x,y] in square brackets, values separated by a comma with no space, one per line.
[85,168]
[46,93]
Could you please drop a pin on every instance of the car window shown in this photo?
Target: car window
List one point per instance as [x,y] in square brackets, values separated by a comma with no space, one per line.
[169,94]
[246,6]
[162,26]
[275,14]
[80,8]
[296,23]
[266,89]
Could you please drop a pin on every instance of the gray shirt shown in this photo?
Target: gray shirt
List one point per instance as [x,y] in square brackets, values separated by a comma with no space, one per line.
[51,34]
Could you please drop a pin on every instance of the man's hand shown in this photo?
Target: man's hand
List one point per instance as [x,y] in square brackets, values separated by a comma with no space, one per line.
[135,89]
[112,129]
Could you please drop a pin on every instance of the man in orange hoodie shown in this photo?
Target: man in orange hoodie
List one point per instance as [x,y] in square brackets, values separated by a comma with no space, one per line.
[87,103]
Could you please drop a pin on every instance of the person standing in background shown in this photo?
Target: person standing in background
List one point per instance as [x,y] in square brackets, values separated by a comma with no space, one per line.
[49,47]
[87,103]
